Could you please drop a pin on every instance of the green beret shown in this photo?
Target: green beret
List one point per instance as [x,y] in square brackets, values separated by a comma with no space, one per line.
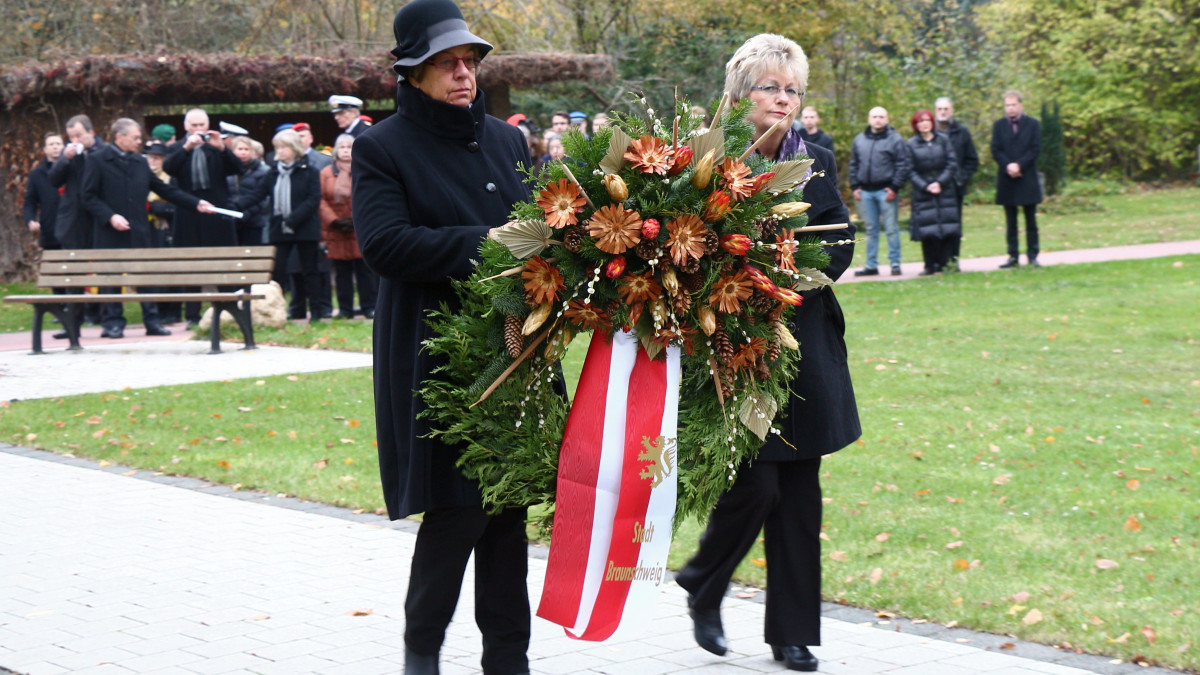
[163,132]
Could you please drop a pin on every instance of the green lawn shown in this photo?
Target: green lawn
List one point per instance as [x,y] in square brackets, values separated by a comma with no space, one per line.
[1027,465]
[1141,217]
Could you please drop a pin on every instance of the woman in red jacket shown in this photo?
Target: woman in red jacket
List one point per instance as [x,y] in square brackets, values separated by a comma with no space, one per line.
[337,233]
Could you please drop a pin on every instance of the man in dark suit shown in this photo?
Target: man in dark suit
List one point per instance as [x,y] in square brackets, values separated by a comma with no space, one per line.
[1016,144]
[964,152]
[200,164]
[72,223]
[41,198]
[347,113]
[116,181]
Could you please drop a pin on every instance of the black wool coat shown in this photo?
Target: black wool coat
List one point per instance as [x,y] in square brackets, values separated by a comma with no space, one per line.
[73,224]
[41,203]
[429,182]
[933,161]
[822,414]
[1022,148]
[304,220]
[964,152]
[117,184]
[203,229]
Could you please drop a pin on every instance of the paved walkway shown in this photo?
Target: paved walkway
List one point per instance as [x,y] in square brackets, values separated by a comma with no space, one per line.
[105,573]
[1084,255]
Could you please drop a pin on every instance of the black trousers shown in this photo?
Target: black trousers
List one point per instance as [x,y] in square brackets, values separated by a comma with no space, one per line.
[937,253]
[784,500]
[310,278]
[956,240]
[351,273]
[444,543]
[1014,235]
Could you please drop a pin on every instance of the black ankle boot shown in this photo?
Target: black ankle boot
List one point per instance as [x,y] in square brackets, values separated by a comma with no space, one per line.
[707,629]
[419,664]
[795,658]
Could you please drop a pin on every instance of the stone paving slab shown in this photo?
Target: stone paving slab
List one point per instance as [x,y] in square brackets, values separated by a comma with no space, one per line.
[136,365]
[105,573]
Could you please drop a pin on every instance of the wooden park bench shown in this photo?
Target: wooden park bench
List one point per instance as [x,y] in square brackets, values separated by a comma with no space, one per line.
[150,268]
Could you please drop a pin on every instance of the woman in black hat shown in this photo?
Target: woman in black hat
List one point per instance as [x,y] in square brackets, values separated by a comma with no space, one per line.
[429,182]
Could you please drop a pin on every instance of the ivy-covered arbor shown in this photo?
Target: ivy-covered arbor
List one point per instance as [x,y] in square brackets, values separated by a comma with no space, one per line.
[39,97]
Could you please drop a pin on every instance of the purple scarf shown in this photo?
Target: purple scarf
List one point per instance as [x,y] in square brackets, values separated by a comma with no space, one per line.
[791,146]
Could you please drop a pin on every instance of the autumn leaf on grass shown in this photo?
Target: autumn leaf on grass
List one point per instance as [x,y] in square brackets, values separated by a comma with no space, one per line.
[1133,484]
[839,556]
[882,537]
[223,464]
[961,565]
[293,378]
[242,408]
[321,463]
[1020,597]
[1095,621]
[353,423]
[954,544]
[1149,633]
[1034,616]
[1132,524]
[758,562]
[1106,564]
[876,575]
[94,419]
[1001,480]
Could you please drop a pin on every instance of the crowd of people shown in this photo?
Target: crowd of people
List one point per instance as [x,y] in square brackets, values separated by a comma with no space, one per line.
[164,191]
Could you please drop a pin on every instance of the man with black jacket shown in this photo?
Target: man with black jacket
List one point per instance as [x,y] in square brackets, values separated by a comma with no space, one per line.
[116,181]
[809,126]
[41,198]
[879,167]
[964,151]
[1016,144]
[72,223]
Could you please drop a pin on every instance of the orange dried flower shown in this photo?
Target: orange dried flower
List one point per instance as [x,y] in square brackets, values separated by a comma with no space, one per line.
[785,244]
[718,206]
[561,201]
[788,297]
[760,280]
[730,290]
[735,177]
[683,157]
[747,354]
[760,182]
[615,228]
[635,288]
[651,155]
[588,316]
[686,238]
[542,281]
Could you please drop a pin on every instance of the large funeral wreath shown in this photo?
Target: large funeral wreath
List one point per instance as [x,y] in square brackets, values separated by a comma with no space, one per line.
[677,233]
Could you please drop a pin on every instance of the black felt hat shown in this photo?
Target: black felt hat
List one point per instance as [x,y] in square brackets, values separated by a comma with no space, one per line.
[425,27]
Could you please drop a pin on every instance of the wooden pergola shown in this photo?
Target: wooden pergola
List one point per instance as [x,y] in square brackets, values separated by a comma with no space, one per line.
[40,97]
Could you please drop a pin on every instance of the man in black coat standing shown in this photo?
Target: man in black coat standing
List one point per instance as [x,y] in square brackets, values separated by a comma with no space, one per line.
[115,184]
[200,164]
[809,126]
[73,224]
[41,198]
[1016,144]
[964,152]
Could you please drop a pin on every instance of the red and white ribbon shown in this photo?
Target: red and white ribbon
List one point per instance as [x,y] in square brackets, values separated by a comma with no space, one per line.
[617,486]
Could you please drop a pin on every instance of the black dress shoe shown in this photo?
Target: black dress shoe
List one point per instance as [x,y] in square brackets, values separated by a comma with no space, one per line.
[155,329]
[369,314]
[1034,263]
[706,625]
[419,664]
[795,658]
[896,271]
[61,335]
[867,272]
[113,333]
[1011,262]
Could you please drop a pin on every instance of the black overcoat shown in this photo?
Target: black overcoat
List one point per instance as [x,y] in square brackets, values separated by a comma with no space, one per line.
[304,220]
[73,224]
[1022,148]
[114,183]
[41,203]
[933,161]
[822,414]
[203,229]
[429,182]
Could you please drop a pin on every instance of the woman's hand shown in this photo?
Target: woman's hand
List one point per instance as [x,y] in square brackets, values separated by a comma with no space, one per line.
[934,188]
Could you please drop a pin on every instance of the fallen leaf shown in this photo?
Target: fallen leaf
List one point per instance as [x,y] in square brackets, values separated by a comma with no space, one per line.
[882,537]
[1008,645]
[1034,616]
[293,378]
[1150,635]
[242,408]
[358,612]
[1132,524]
[321,463]
[961,565]
[353,423]
[876,575]
[1001,480]
[1133,484]
[348,460]
[954,544]
[1119,640]
[293,435]
[217,415]
[104,463]
[884,615]
[272,433]
[223,464]
[839,556]
[824,537]
[922,493]
[758,562]
[1106,564]
[94,419]
[1020,597]
[99,433]
[346,441]
[1095,621]
[260,617]
[1015,610]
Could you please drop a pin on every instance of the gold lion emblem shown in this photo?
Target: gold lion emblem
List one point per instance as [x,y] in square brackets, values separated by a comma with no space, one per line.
[660,452]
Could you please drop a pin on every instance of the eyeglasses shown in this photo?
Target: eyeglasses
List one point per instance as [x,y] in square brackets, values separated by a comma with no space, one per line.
[450,63]
[773,90]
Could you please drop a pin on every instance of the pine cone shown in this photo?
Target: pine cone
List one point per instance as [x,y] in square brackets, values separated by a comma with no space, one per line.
[722,347]
[681,302]
[513,340]
[712,242]
[612,307]
[762,370]
[690,266]
[646,249]
[766,230]
[692,282]
[573,238]
[761,303]
[727,375]
[774,349]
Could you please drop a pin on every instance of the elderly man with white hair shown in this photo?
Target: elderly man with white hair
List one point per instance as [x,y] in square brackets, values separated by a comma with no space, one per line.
[964,150]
